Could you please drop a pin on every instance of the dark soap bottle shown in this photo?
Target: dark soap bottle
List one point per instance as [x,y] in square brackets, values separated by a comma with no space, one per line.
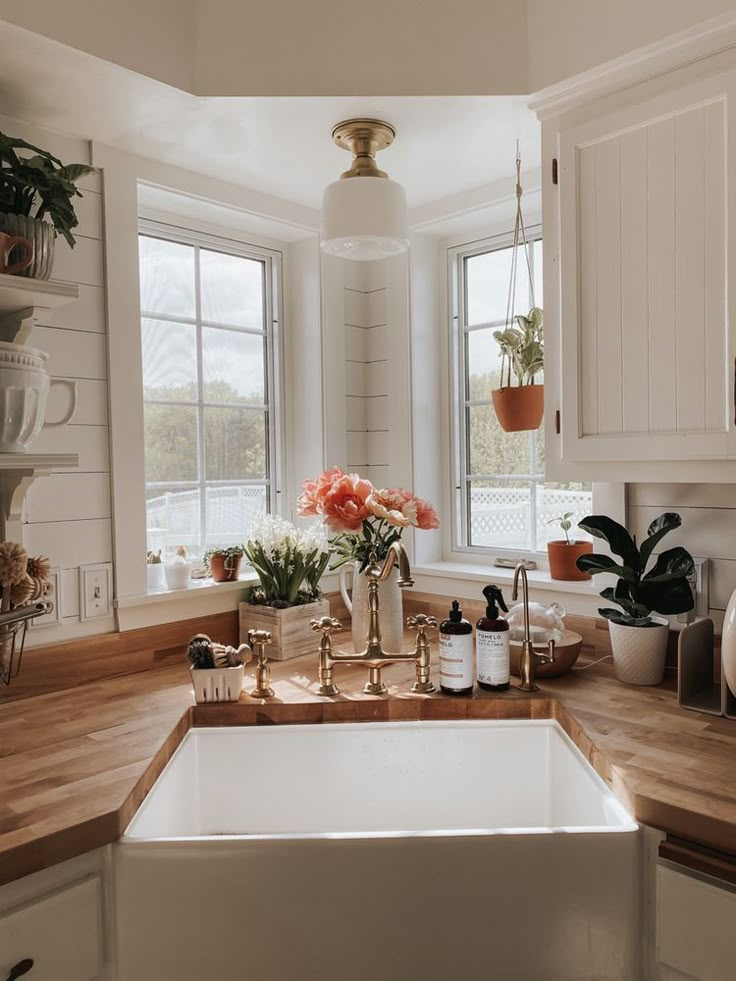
[456,653]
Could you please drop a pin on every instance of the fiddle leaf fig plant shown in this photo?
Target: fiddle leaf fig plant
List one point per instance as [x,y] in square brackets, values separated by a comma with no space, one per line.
[40,181]
[664,588]
[522,347]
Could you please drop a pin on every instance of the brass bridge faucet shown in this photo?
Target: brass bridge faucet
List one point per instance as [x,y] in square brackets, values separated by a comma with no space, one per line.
[374,656]
[530,658]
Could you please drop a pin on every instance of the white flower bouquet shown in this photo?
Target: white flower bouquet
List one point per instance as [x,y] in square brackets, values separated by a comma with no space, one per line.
[289,562]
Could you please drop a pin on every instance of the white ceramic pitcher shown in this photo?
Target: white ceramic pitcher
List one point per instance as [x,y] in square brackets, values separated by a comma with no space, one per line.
[390,607]
[24,391]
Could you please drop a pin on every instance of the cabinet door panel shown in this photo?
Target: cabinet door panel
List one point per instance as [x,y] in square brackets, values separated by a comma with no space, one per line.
[644,217]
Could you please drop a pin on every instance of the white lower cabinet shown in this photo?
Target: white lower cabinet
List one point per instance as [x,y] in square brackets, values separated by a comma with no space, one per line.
[696,926]
[60,932]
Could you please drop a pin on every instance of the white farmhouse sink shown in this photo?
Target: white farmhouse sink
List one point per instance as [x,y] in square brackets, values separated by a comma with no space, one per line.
[426,851]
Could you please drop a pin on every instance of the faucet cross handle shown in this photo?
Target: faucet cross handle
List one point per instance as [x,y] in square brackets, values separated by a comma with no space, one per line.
[259,640]
[421,622]
[326,625]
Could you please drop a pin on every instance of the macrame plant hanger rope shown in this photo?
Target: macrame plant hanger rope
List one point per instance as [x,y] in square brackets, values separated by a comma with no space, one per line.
[519,242]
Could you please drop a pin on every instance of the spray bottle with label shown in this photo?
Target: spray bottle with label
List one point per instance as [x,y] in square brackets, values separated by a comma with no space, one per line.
[492,643]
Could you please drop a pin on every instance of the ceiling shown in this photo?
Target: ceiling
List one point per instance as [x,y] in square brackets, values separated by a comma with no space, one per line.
[278,145]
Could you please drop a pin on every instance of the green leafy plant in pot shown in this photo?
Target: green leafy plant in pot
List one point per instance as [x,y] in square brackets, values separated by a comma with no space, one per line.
[33,186]
[638,639]
[520,407]
[563,553]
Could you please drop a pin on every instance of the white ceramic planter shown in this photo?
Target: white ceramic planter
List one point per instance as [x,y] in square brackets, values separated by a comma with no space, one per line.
[178,574]
[390,606]
[24,392]
[639,653]
[155,575]
[217,684]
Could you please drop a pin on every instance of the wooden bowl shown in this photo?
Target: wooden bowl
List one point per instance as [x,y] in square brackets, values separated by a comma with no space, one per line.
[567,652]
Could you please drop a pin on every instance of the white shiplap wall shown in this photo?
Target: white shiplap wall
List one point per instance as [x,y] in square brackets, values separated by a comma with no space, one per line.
[708,513]
[377,388]
[366,375]
[67,515]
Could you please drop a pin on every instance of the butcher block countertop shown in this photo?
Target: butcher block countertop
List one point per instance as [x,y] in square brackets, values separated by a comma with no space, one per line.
[76,764]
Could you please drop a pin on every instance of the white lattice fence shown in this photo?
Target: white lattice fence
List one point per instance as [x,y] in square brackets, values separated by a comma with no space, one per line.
[501,516]
[173,518]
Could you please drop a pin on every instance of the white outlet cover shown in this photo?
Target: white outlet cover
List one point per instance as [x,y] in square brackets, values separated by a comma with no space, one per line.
[52,619]
[87,575]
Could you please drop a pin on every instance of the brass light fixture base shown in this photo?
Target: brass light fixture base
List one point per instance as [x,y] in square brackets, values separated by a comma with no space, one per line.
[363,138]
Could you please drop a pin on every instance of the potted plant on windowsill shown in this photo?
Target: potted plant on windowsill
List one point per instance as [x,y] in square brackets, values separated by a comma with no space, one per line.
[520,407]
[289,563]
[154,569]
[638,639]
[564,553]
[41,182]
[224,563]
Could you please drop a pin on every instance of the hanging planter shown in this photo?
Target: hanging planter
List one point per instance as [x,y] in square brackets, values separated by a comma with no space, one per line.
[519,407]
[519,402]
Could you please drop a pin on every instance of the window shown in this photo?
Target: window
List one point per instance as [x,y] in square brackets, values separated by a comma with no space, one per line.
[207,315]
[503,501]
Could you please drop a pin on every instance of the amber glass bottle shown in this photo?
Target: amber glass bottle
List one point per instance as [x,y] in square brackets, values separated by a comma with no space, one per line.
[456,653]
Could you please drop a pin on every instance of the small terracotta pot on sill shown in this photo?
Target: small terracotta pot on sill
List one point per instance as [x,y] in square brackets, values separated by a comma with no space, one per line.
[563,558]
[519,407]
[223,569]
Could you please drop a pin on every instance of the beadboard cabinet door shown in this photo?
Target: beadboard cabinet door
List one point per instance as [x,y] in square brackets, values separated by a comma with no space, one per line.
[646,228]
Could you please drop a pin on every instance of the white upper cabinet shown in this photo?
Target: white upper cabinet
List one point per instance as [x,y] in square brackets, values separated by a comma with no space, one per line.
[638,233]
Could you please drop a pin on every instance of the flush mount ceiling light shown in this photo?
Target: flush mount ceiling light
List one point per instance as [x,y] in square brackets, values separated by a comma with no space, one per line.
[364,213]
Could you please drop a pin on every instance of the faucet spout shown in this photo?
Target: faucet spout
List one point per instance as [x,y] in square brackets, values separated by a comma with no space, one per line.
[396,555]
[530,658]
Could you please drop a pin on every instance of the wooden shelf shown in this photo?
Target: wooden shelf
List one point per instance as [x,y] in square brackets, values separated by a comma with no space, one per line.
[17,473]
[23,302]
[19,293]
[39,462]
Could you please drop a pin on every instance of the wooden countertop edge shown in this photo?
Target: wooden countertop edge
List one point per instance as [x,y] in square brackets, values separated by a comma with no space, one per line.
[107,827]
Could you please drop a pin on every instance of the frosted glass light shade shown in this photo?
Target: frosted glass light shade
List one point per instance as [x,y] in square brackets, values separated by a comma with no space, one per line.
[364,218]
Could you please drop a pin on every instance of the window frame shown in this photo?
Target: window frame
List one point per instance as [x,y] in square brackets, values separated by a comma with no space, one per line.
[457,289]
[273,342]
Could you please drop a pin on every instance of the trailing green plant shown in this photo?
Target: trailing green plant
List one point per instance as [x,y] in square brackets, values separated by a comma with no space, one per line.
[663,589]
[522,348]
[40,181]
[229,553]
[154,558]
[289,562]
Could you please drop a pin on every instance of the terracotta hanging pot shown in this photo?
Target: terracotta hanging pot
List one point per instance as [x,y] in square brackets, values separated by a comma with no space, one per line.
[563,557]
[519,407]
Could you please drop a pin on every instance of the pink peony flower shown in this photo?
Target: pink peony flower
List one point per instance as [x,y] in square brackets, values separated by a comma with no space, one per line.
[427,517]
[395,506]
[313,492]
[344,503]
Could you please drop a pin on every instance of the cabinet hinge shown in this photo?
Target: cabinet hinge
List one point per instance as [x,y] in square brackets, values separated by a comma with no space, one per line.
[554,170]
[557,422]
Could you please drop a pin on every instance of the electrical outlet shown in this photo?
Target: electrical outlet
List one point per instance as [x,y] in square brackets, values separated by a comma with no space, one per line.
[53,597]
[95,591]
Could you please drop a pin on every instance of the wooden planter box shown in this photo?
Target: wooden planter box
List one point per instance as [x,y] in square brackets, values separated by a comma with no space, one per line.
[290,630]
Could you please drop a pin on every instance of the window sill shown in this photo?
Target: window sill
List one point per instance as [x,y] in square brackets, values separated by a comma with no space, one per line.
[196,587]
[201,598]
[460,578]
